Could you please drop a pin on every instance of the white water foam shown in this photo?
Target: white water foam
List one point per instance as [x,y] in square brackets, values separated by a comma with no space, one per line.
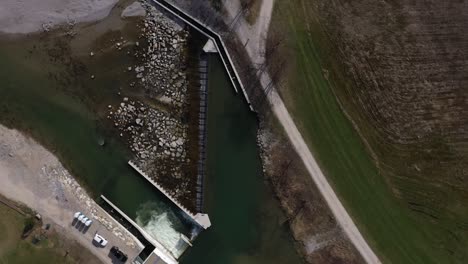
[163,225]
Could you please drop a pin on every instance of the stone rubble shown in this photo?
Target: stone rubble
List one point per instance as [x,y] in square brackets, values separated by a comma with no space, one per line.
[158,141]
[157,135]
[162,72]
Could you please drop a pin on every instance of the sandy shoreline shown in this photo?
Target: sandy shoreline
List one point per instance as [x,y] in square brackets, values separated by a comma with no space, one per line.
[27,16]
[33,176]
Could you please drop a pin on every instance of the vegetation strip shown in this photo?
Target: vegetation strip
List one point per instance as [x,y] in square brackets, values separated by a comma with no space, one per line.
[386,223]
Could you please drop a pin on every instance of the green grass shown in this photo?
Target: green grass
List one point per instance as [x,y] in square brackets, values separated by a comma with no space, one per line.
[27,253]
[387,224]
[14,250]
[11,226]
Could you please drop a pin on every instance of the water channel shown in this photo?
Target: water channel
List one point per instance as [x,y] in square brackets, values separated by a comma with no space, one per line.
[57,103]
[246,220]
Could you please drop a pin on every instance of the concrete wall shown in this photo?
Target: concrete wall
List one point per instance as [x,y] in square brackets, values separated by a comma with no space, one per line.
[202,219]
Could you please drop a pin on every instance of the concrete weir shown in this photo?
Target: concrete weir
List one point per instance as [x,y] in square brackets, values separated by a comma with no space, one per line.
[158,253]
[201,219]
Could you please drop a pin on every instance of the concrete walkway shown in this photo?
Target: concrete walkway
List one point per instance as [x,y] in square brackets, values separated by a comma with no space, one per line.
[255,37]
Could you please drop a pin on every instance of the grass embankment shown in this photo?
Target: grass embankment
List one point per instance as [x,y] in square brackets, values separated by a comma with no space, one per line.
[51,249]
[387,224]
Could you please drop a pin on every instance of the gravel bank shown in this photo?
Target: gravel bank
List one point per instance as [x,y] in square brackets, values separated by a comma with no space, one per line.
[27,16]
[33,176]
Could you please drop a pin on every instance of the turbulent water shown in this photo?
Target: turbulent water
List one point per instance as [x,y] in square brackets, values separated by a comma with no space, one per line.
[163,225]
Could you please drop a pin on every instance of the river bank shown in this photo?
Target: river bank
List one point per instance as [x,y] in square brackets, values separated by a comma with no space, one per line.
[61,98]
[33,176]
[56,87]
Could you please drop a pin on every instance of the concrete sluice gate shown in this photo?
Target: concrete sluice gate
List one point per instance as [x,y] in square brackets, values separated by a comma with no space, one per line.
[162,225]
[156,228]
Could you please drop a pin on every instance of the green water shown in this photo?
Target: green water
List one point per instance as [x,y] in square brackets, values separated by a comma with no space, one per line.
[61,107]
[246,221]
[32,101]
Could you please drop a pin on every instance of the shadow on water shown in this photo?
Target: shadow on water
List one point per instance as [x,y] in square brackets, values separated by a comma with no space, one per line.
[246,220]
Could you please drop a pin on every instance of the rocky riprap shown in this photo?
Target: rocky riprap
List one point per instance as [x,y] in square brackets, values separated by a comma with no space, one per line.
[158,140]
[162,72]
[158,134]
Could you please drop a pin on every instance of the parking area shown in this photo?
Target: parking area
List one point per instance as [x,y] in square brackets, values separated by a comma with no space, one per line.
[86,234]
[33,176]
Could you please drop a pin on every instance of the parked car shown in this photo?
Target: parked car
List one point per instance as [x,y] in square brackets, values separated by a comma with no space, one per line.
[77,214]
[100,240]
[84,220]
[81,217]
[88,223]
[118,254]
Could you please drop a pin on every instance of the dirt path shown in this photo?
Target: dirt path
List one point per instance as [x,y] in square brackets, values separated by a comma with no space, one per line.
[33,176]
[255,37]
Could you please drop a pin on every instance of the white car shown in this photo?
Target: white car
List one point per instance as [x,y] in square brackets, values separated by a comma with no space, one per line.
[84,220]
[100,240]
[80,218]
[89,222]
[77,214]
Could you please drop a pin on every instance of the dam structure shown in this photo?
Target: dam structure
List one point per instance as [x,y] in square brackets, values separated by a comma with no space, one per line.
[153,251]
[203,220]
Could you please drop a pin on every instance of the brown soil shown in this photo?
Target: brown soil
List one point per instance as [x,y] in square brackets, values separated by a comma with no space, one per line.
[407,66]
[401,72]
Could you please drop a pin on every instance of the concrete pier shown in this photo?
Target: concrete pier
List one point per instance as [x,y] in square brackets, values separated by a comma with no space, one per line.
[210,47]
[202,220]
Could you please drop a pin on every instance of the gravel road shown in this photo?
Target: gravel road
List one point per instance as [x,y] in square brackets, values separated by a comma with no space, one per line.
[255,35]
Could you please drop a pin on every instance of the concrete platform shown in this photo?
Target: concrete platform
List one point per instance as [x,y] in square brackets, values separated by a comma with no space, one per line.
[210,47]
[201,219]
